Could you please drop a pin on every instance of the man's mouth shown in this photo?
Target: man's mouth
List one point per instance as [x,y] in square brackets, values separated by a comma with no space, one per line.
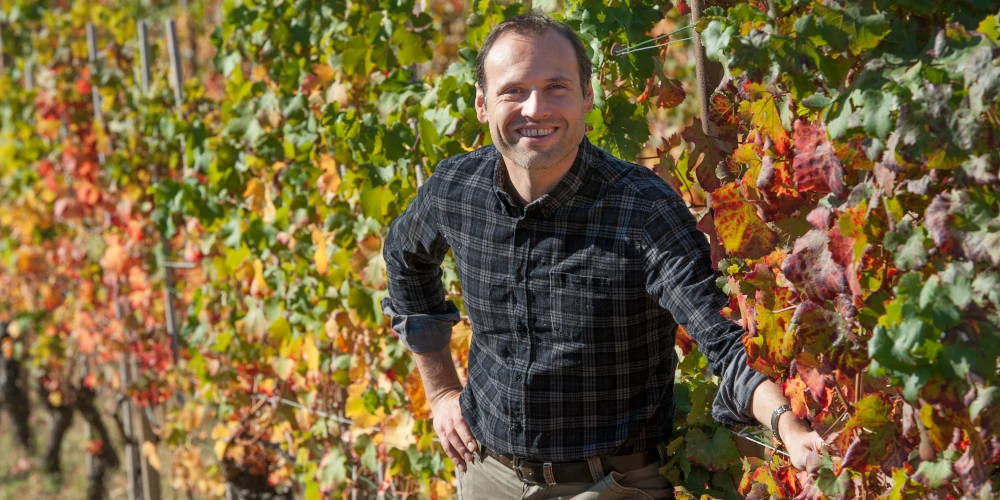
[536,132]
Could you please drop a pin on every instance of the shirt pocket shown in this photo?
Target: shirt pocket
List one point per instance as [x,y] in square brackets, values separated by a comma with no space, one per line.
[581,305]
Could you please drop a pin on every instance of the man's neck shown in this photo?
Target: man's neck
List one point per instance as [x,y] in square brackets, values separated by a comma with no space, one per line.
[526,186]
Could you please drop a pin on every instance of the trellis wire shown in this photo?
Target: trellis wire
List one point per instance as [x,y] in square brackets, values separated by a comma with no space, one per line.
[643,45]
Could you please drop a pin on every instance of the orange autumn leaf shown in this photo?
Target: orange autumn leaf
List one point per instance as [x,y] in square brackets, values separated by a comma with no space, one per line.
[795,390]
[329,180]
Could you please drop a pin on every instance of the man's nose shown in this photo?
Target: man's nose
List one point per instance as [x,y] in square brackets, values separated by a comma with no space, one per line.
[535,105]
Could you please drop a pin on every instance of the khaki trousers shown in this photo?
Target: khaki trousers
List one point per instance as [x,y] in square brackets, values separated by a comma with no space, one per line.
[490,480]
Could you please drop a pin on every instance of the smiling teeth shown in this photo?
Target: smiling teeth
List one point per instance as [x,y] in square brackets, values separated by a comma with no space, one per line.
[536,132]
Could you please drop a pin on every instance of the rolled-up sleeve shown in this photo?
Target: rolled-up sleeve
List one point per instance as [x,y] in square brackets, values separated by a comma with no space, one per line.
[416,305]
[679,276]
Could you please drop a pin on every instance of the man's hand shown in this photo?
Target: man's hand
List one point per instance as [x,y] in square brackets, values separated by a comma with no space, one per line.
[800,440]
[452,429]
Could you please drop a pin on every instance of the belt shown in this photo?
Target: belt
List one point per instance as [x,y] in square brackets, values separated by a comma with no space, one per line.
[569,472]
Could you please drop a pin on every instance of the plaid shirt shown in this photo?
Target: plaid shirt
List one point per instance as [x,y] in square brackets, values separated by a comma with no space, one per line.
[574,302]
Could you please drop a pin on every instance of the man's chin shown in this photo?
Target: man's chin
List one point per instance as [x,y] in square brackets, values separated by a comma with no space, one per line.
[532,161]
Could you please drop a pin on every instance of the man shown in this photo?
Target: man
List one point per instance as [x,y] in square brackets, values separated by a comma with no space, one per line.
[576,269]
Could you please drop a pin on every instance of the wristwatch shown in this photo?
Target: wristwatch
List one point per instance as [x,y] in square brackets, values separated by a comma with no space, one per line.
[774,422]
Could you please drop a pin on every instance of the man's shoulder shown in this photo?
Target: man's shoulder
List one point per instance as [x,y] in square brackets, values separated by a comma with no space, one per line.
[462,166]
[632,180]
[457,175]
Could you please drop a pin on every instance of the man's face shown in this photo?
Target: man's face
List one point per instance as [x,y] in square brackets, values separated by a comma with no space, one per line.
[534,100]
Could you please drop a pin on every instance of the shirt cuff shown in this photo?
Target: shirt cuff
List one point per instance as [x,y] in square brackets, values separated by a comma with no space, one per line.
[422,333]
[733,404]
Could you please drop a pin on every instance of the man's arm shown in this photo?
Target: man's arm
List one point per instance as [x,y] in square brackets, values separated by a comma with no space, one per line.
[795,433]
[419,313]
[680,276]
[437,371]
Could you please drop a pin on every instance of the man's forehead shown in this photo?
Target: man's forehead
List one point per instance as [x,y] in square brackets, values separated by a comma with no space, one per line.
[548,53]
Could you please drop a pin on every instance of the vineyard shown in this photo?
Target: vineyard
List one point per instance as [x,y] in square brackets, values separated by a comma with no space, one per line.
[194,196]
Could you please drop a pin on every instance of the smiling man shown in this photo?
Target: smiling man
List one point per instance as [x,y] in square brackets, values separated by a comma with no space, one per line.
[576,269]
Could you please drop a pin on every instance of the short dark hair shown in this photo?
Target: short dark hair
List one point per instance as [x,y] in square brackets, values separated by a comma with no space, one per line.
[534,23]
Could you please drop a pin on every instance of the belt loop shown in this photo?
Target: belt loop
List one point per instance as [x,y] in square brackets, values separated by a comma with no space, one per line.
[596,469]
[547,474]
[662,450]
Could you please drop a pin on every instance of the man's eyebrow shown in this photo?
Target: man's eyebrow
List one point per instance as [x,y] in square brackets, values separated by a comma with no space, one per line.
[514,82]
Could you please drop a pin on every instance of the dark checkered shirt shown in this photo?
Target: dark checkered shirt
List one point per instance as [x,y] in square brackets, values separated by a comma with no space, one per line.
[574,302]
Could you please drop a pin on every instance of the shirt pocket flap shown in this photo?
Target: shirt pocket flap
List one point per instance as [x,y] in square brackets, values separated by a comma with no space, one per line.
[579,280]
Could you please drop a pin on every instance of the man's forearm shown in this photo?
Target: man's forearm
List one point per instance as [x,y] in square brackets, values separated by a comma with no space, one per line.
[768,397]
[437,371]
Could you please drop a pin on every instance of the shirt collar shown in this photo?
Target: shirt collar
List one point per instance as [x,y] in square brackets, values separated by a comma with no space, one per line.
[560,194]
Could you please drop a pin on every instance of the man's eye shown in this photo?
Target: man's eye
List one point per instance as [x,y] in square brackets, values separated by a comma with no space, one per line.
[511,91]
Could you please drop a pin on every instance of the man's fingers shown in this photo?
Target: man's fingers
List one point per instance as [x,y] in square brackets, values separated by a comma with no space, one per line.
[465,434]
[453,454]
[460,445]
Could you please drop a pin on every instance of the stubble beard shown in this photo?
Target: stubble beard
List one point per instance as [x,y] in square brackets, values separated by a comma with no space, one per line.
[535,159]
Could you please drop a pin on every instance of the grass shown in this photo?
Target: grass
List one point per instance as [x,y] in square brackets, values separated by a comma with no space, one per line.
[21,477]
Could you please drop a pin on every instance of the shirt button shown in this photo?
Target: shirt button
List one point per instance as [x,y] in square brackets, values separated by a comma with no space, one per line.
[518,377]
[522,328]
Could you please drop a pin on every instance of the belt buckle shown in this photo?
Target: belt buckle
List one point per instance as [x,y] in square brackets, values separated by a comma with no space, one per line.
[517,470]
[546,472]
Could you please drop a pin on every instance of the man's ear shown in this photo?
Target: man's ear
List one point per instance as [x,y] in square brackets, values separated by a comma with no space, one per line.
[588,104]
[480,105]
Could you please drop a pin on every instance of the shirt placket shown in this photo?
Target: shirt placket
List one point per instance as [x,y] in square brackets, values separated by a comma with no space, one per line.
[522,332]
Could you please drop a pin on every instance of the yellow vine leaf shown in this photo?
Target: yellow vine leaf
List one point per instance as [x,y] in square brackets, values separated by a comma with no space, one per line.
[356,411]
[311,353]
[764,115]
[259,199]
[320,255]
[258,286]
[149,451]
[398,431]
[254,194]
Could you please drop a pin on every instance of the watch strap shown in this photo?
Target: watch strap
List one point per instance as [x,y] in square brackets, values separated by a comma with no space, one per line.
[774,421]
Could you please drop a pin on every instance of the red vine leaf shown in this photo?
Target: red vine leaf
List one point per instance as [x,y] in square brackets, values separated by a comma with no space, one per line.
[743,232]
[670,94]
[722,112]
[817,377]
[816,166]
[812,268]
[815,327]
[707,226]
[708,152]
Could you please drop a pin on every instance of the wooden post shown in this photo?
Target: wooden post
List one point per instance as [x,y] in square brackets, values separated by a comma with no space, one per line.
[133,473]
[192,38]
[150,476]
[144,74]
[3,64]
[95,95]
[175,63]
[700,69]
[177,81]
[29,77]
[131,452]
